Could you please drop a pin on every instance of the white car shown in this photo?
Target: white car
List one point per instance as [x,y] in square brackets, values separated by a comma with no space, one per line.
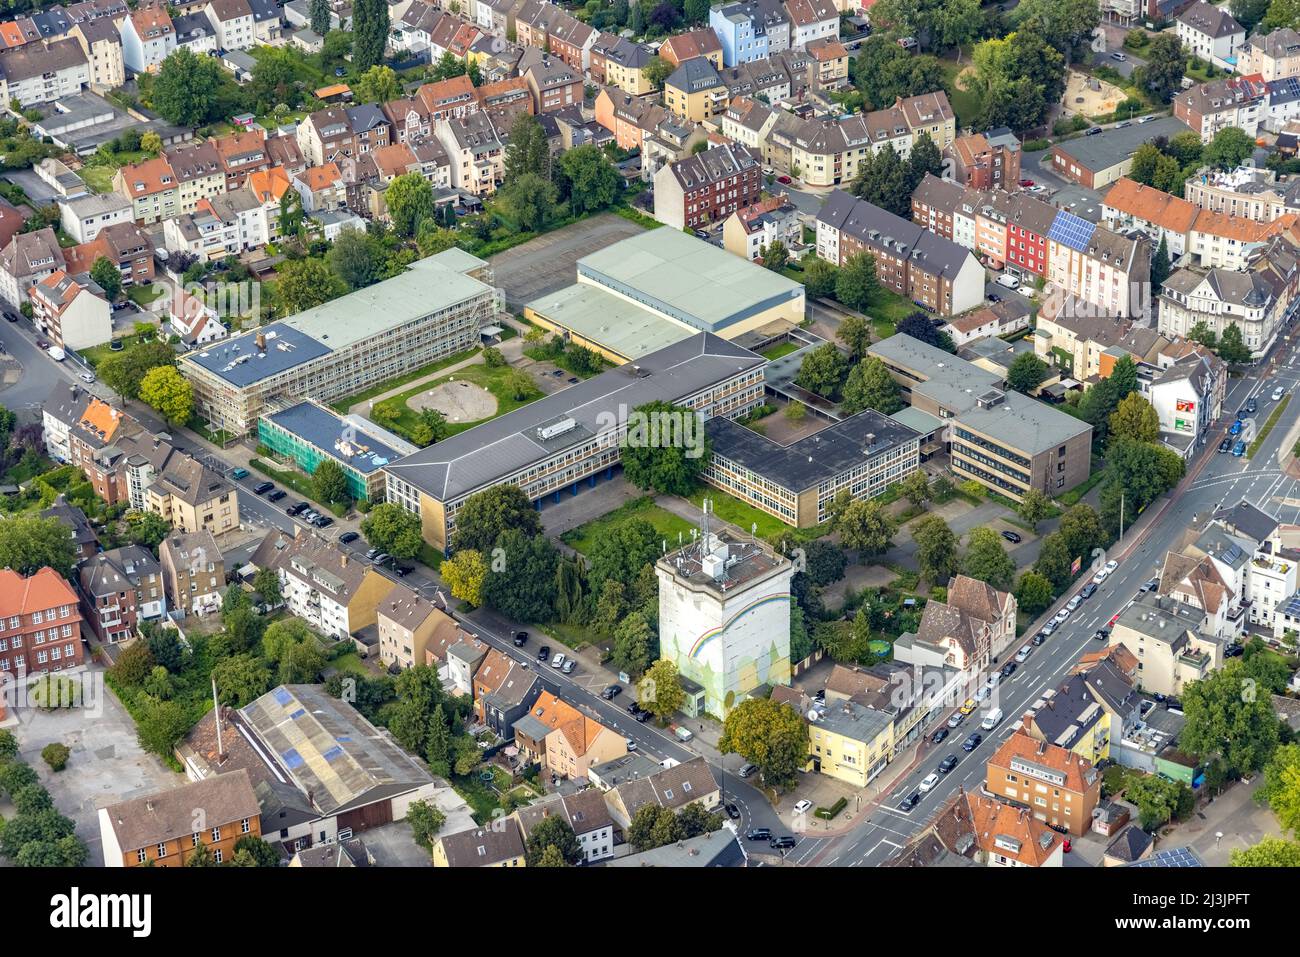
[1101,575]
[1011,282]
[930,781]
[1061,616]
[1111,566]
[1074,602]
[1024,653]
[1278,393]
[557,662]
[983,692]
[86,376]
[631,745]
[803,807]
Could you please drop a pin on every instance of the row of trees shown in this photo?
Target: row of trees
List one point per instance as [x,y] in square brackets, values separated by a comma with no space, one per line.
[37,835]
[1167,163]
[887,181]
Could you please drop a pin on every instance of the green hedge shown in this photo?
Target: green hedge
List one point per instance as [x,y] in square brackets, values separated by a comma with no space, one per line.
[829,813]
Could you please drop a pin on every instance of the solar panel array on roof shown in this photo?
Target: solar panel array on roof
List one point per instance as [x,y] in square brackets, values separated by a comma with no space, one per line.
[1172,857]
[1292,606]
[1233,555]
[1071,230]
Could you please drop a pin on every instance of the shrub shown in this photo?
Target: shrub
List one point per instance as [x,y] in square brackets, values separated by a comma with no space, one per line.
[55,755]
[829,813]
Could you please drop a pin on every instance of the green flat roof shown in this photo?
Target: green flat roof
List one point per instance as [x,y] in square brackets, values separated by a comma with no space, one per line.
[687,279]
[613,322]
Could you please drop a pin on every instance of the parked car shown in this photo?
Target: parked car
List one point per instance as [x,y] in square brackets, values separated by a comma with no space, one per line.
[1026,183]
[631,745]
[520,638]
[938,736]
[1038,639]
[1150,583]
[803,807]
[380,557]
[401,571]
[10,316]
[993,297]
[298,507]
[1119,56]
[956,719]
[543,652]
[276,495]
[1048,628]
[1225,445]
[1233,650]
[1074,603]
[784,180]
[759,834]
[972,742]
[968,707]
[1111,566]
[681,733]
[609,694]
[1146,119]
[982,694]
[1088,590]
[1235,428]
[1008,669]
[1239,449]
[1011,282]
[1061,616]
[323,521]
[948,763]
[86,376]
[746,770]
[783,843]
[929,781]
[569,665]
[1094,131]
[1024,653]
[1012,537]
[261,488]
[239,474]
[909,802]
[1102,574]
[347,537]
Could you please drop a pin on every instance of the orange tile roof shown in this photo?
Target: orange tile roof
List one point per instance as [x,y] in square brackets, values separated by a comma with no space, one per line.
[336,89]
[438,94]
[101,417]
[268,185]
[45,589]
[393,160]
[321,177]
[11,34]
[1079,772]
[579,730]
[1239,228]
[233,145]
[151,176]
[827,49]
[993,819]
[1153,205]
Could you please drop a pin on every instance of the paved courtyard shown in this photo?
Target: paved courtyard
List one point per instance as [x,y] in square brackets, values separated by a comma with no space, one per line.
[548,262]
[106,766]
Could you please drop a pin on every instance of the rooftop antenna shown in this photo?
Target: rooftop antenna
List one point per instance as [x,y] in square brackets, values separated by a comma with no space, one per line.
[753,533]
[216,714]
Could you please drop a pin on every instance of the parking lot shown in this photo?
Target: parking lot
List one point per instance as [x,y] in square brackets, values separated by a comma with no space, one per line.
[548,262]
[106,766]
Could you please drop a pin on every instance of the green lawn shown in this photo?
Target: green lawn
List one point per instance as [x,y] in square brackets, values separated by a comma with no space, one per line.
[494,380]
[743,515]
[351,664]
[144,296]
[777,351]
[887,310]
[1268,426]
[584,537]
[343,405]
[965,103]
[97,354]
[98,178]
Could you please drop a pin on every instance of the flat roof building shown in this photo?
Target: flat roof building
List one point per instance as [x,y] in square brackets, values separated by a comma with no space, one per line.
[1006,441]
[309,434]
[434,309]
[864,454]
[551,445]
[662,286]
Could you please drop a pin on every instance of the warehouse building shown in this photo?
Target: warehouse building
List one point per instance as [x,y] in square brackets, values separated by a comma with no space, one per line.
[436,308]
[550,446]
[1006,441]
[865,454]
[660,287]
[309,433]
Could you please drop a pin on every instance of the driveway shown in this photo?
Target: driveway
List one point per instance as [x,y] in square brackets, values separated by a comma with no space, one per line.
[549,262]
[107,765]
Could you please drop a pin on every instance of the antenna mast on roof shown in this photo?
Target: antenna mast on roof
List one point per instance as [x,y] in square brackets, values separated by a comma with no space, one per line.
[216,714]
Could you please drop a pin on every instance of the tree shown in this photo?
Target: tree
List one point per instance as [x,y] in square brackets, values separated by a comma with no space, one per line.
[330,482]
[1054,561]
[856,283]
[528,199]
[620,553]
[170,393]
[772,736]
[409,198]
[916,488]
[391,528]
[465,572]
[160,724]
[1249,12]
[1269,852]
[521,578]
[855,333]
[590,178]
[824,562]
[883,180]
[426,821]
[274,76]
[1135,419]
[151,143]
[870,386]
[664,448]
[356,258]
[123,371]
[1227,717]
[241,679]
[1033,593]
[108,276]
[1160,266]
[1229,148]
[528,151]
[1081,530]
[1281,790]
[318,12]
[819,278]
[936,549]
[267,584]
[987,560]
[1232,347]
[656,70]
[431,239]
[632,644]
[924,158]
[636,19]
[379,84]
[883,71]
[29,543]
[553,832]
[1065,24]
[660,691]
[487,514]
[1026,373]
[291,213]
[304,283]
[369,33]
[1162,75]
[258,852]
[775,257]
[418,692]
[864,525]
[185,89]
[822,371]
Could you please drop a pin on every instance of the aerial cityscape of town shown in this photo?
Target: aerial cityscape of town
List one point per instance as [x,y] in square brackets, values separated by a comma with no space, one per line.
[649,433]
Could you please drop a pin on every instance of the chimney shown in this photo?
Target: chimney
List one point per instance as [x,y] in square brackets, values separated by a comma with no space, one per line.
[260,338]
[343,559]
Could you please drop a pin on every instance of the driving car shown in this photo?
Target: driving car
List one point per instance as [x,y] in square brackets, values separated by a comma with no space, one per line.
[611,691]
[781,843]
[348,537]
[1278,393]
[909,802]
[1094,131]
[938,736]
[948,763]
[968,707]
[1251,406]
[1235,429]
[1012,537]
[733,812]
[1239,449]
[759,834]
[929,781]
[543,652]
[1101,634]
[803,807]
[1119,56]
[1150,583]
[972,742]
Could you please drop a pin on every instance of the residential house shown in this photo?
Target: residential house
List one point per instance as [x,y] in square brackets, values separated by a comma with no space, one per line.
[1164,631]
[1246,192]
[1219,240]
[28,259]
[1273,56]
[703,42]
[148,38]
[83,217]
[830,69]
[1007,836]
[974,626]
[553,83]
[504,691]
[690,782]
[750,29]
[504,100]
[1100,268]
[120,589]
[325,136]
[1164,218]
[584,812]
[476,152]
[986,161]
[242,154]
[409,626]
[572,40]
[621,63]
[193,497]
[1210,33]
[195,32]
[695,91]
[199,174]
[706,187]
[151,188]
[72,310]
[43,71]
[84,539]
[164,829]
[1239,101]
[444,100]
[40,624]
[995,319]
[812,20]
[1059,787]
[563,740]
[233,21]
[481,847]
[321,188]
[193,572]
[751,229]
[101,43]
[125,245]
[628,117]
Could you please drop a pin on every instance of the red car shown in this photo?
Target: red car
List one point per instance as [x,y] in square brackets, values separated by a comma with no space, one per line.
[1065,846]
[1026,182]
[784,179]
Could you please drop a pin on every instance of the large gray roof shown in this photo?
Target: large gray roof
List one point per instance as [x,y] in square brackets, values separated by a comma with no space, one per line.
[1113,146]
[488,453]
